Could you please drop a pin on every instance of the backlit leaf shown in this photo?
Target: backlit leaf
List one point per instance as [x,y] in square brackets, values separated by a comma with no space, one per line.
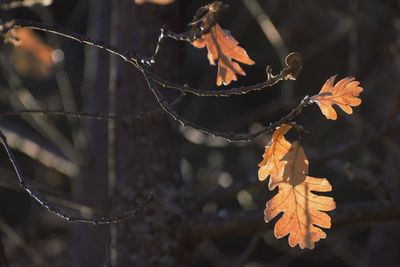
[222,47]
[272,164]
[343,94]
[303,211]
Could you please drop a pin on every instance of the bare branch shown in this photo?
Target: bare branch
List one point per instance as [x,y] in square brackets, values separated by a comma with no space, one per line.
[211,11]
[219,194]
[288,73]
[17,23]
[25,185]
[230,136]
[39,150]
[88,115]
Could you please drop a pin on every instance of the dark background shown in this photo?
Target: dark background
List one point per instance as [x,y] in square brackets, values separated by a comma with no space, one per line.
[357,38]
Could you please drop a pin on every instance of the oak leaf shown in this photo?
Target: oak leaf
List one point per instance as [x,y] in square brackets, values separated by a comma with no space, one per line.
[222,47]
[343,94]
[302,211]
[272,164]
[32,56]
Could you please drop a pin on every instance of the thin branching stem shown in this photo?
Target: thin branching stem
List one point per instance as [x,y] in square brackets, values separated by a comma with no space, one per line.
[140,62]
[230,136]
[154,81]
[18,23]
[88,115]
[26,186]
[285,74]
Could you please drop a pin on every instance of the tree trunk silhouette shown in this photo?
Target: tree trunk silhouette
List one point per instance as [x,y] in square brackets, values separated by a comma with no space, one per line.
[143,153]
[91,188]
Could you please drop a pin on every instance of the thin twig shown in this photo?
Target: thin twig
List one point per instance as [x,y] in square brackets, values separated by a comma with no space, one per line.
[286,74]
[18,23]
[219,194]
[88,115]
[38,150]
[138,61]
[230,136]
[210,12]
[25,185]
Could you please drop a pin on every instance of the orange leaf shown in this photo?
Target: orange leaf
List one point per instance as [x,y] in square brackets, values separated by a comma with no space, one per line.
[296,165]
[272,164]
[302,211]
[222,47]
[343,94]
[31,43]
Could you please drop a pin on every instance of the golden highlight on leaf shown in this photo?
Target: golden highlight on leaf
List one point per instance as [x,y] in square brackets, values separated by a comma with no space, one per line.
[302,211]
[296,165]
[272,164]
[222,47]
[343,94]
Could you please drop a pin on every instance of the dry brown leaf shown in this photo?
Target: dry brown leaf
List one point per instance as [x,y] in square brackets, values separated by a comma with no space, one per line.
[302,211]
[222,47]
[344,94]
[272,164]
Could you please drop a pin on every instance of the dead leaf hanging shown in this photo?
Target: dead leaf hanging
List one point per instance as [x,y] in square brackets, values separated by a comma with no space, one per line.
[343,94]
[302,211]
[272,164]
[222,47]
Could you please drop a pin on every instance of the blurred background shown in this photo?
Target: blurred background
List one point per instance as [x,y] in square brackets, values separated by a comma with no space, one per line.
[359,154]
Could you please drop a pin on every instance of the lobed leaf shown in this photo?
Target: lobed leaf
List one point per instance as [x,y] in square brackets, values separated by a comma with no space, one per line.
[272,164]
[303,211]
[343,94]
[222,47]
